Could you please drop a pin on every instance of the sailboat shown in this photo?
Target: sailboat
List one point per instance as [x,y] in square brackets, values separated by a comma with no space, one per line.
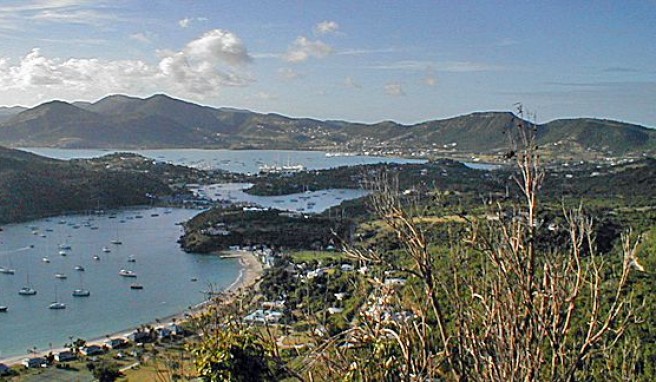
[27,290]
[8,270]
[56,304]
[116,241]
[81,292]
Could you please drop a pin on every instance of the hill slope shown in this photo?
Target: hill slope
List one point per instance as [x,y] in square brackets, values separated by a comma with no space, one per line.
[161,121]
[32,186]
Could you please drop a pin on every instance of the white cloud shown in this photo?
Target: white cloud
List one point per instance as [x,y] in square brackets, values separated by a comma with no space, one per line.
[187,21]
[204,66]
[289,74]
[302,49]
[445,66]
[394,89]
[141,37]
[184,23]
[13,14]
[326,27]
[38,73]
[207,63]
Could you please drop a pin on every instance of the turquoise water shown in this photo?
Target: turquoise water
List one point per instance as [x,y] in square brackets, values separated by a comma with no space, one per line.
[163,269]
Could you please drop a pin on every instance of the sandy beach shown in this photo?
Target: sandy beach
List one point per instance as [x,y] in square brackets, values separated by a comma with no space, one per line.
[248,277]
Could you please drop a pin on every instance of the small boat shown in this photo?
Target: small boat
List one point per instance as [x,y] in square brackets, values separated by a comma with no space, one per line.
[79,268]
[81,293]
[3,308]
[56,304]
[45,260]
[27,291]
[60,276]
[106,250]
[65,247]
[96,257]
[127,273]
[116,242]
[194,279]
[131,259]
[136,286]
[63,253]
[7,271]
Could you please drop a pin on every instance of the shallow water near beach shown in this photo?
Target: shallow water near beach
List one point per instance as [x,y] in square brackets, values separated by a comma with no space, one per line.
[148,236]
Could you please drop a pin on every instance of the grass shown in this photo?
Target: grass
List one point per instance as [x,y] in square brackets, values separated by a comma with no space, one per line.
[323,256]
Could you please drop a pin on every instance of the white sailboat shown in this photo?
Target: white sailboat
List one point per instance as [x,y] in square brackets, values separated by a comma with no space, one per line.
[56,305]
[81,292]
[127,273]
[116,241]
[7,270]
[27,290]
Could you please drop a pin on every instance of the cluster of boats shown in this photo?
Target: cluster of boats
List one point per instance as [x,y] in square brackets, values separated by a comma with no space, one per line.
[80,292]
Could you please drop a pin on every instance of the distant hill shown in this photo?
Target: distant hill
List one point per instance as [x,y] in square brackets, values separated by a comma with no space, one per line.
[8,112]
[32,186]
[161,121]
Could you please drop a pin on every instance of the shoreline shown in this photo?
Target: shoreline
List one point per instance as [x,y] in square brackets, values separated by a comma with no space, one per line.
[249,275]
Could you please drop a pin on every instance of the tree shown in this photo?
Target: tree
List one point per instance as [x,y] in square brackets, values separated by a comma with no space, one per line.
[231,350]
[106,371]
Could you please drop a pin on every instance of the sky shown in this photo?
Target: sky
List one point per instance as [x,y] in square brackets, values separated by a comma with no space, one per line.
[360,61]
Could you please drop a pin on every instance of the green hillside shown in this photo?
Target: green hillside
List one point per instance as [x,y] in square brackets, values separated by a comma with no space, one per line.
[161,121]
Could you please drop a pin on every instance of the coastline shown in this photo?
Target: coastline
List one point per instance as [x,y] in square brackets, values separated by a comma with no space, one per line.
[248,277]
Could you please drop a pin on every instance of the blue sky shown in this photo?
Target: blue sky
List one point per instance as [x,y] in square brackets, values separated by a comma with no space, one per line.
[368,61]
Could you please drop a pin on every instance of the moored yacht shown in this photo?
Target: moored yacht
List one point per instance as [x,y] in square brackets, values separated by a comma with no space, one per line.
[3,308]
[57,305]
[127,273]
[7,271]
[27,291]
[81,293]
[60,276]
[79,268]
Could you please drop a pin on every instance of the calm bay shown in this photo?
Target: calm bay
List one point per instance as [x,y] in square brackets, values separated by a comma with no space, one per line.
[148,236]
[172,279]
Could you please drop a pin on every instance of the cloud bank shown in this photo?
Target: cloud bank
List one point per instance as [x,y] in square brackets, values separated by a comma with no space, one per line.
[202,68]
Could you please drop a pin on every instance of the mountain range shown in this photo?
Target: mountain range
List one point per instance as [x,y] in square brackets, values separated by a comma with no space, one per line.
[159,121]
